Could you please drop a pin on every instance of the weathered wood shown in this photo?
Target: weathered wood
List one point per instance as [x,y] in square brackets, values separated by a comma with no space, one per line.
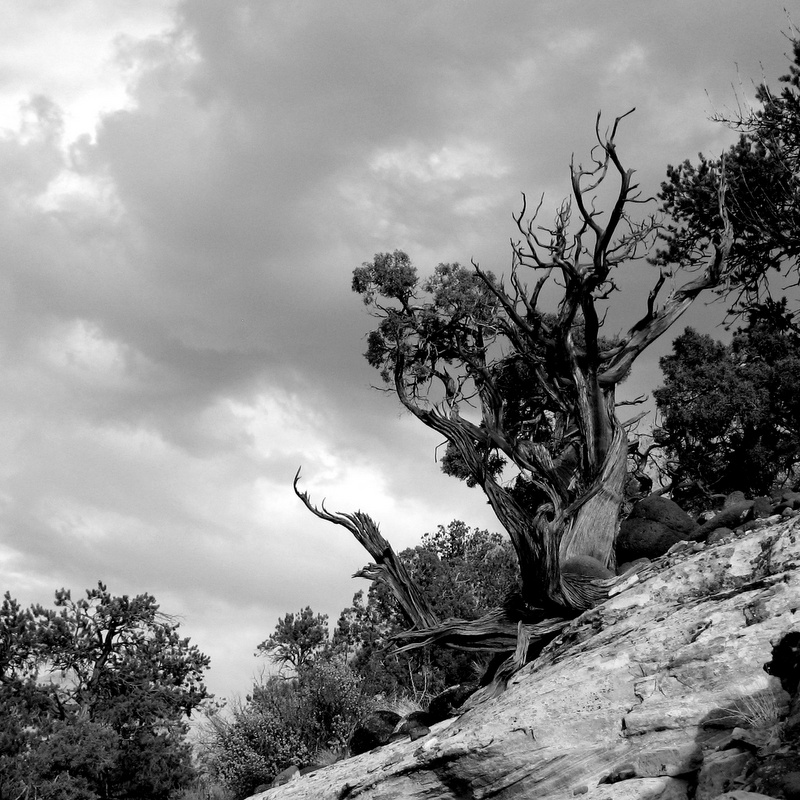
[492,632]
[388,566]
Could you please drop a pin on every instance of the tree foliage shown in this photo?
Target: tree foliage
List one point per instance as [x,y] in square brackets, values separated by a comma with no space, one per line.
[730,414]
[297,639]
[761,172]
[542,380]
[246,751]
[94,695]
[463,572]
[287,721]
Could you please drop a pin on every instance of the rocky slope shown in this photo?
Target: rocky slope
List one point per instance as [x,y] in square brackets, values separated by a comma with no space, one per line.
[682,685]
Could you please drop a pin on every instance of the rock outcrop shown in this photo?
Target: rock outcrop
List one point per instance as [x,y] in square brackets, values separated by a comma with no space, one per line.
[679,686]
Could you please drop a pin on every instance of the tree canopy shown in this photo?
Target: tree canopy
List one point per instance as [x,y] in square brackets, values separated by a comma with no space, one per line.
[297,638]
[730,414]
[761,175]
[541,377]
[94,697]
[464,573]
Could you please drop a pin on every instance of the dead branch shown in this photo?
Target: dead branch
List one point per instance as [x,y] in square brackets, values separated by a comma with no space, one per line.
[388,566]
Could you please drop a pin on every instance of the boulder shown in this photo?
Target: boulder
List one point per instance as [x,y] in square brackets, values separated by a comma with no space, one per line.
[587,566]
[375,731]
[731,516]
[787,499]
[629,565]
[446,703]
[663,510]
[655,524]
[720,771]
[645,538]
[284,776]
[643,696]
[718,534]
[733,499]
[762,507]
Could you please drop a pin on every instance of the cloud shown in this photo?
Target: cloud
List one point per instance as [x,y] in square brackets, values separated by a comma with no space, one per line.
[177,330]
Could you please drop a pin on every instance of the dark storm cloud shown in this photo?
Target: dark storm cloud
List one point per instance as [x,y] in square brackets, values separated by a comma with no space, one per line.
[178,331]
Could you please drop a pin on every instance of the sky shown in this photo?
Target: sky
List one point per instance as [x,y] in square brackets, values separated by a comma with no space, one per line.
[185,189]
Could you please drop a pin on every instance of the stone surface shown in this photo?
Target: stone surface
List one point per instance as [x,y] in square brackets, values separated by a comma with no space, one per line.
[445,703]
[719,772]
[788,499]
[779,776]
[587,566]
[645,538]
[762,507]
[284,776]
[655,524]
[718,534]
[734,498]
[663,510]
[375,731]
[634,699]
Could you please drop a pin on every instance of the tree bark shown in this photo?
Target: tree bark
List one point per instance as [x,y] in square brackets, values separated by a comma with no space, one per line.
[387,567]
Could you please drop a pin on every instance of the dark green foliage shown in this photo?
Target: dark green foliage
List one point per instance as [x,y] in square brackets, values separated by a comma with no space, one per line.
[252,747]
[285,722]
[297,639]
[762,176]
[731,413]
[453,323]
[464,573]
[94,697]
[331,702]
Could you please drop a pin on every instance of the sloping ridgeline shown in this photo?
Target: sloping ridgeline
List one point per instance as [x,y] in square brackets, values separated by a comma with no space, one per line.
[683,685]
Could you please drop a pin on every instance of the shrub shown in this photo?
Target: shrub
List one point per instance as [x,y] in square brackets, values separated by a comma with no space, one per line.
[252,748]
[331,704]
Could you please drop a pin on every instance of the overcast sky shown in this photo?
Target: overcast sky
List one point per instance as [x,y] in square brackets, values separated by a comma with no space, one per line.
[185,189]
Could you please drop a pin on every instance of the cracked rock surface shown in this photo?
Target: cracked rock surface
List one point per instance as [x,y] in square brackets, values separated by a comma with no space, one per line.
[660,692]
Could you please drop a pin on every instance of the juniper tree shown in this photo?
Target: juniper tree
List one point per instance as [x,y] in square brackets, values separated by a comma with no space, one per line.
[531,356]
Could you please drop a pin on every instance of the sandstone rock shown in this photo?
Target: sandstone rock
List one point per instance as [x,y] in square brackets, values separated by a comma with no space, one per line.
[654,525]
[732,516]
[734,498]
[645,538]
[788,499]
[762,507]
[374,731]
[718,534]
[284,776]
[446,703]
[629,565]
[587,566]
[632,700]
[719,771]
[663,510]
